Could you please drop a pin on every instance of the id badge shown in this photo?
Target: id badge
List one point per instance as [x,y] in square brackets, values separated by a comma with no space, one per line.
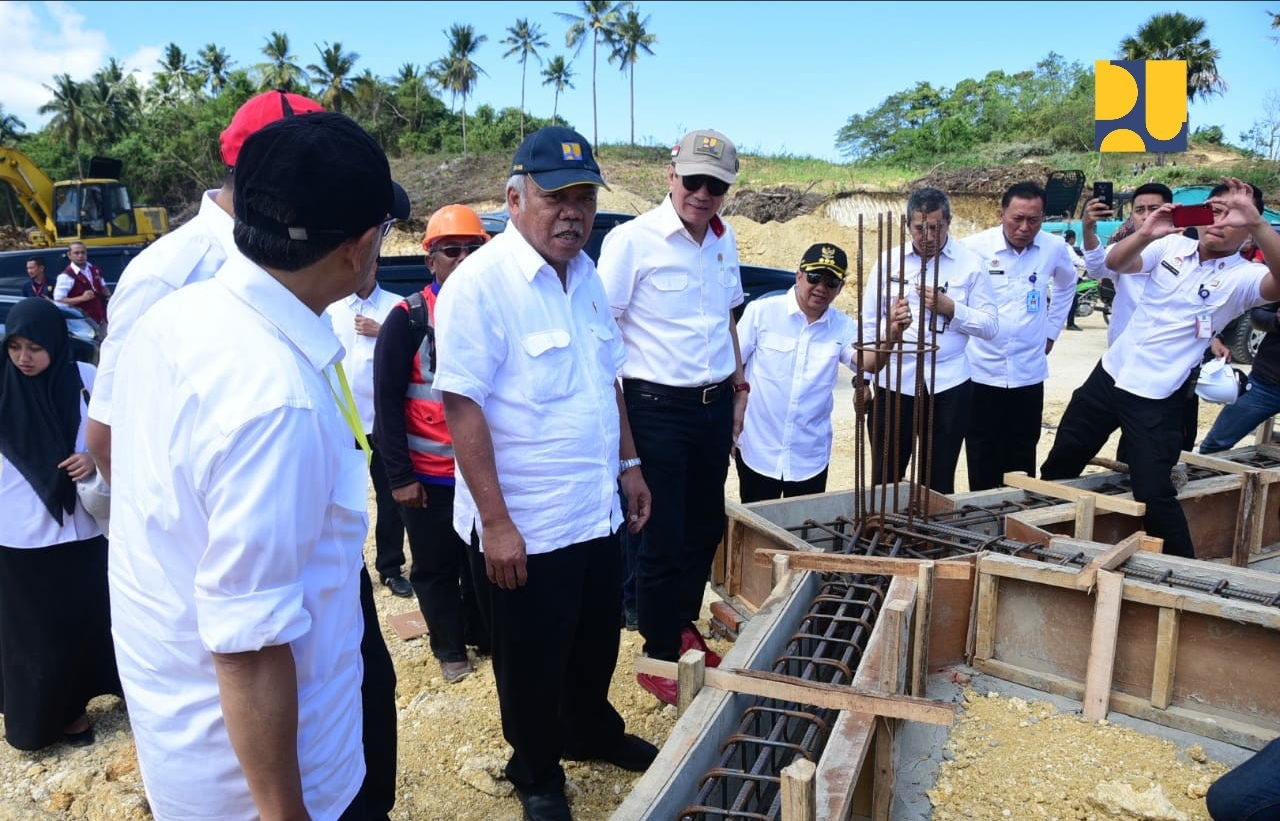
[1204,326]
[1033,301]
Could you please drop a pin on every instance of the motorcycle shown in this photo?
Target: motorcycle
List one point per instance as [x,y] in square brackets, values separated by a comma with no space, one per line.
[1094,295]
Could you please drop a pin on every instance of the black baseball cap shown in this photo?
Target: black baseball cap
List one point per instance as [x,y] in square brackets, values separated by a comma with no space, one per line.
[557,157]
[825,256]
[321,175]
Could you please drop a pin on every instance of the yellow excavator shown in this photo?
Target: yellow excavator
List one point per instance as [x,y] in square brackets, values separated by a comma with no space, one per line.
[96,210]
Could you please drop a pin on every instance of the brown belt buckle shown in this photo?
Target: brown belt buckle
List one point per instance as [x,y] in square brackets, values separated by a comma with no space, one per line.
[709,394]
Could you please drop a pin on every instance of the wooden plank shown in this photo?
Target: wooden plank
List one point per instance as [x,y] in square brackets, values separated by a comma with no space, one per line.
[1248,528]
[1263,434]
[985,620]
[866,565]
[690,675]
[1086,509]
[882,787]
[1151,544]
[815,693]
[1227,466]
[1102,646]
[1114,504]
[923,624]
[1166,658]
[843,760]
[895,623]
[798,794]
[1110,560]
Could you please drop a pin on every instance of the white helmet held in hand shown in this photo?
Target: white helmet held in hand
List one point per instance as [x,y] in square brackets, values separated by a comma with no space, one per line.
[1221,383]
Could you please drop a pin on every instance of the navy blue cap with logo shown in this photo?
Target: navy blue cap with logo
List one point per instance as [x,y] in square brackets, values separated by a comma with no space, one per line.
[556,157]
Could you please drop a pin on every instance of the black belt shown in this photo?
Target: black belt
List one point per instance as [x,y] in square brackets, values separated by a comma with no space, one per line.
[705,394]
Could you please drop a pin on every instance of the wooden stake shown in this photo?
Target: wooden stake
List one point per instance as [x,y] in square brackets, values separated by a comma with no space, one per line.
[1166,660]
[924,622]
[1085,510]
[799,792]
[690,676]
[1102,645]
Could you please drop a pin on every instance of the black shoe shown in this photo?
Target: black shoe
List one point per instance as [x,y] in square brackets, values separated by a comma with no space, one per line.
[81,739]
[551,806]
[399,586]
[632,753]
[631,619]
[1074,328]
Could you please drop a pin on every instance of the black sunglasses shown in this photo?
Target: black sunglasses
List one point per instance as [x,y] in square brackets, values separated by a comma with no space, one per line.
[829,280]
[455,251]
[715,187]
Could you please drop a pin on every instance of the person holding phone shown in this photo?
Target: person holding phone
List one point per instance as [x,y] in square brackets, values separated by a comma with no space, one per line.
[1140,385]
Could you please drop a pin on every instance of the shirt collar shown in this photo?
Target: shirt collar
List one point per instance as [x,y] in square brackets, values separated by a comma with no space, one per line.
[530,262]
[311,334]
[672,224]
[221,224]
[948,250]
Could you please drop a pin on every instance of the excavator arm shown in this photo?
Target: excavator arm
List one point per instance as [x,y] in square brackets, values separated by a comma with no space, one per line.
[33,187]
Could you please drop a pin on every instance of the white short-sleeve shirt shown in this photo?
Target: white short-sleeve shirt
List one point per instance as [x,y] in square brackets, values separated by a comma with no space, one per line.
[357,360]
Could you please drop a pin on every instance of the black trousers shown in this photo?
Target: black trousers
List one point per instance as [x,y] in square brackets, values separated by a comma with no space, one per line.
[1190,426]
[388,531]
[555,646]
[756,487]
[939,443]
[1004,429]
[1154,430]
[378,702]
[684,448]
[441,577]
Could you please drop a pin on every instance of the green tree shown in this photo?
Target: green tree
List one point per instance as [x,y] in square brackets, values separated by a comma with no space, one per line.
[600,19]
[558,73]
[525,39]
[214,63]
[10,127]
[1175,36]
[72,119]
[457,71]
[183,79]
[330,76]
[628,40]
[281,69]
[114,100]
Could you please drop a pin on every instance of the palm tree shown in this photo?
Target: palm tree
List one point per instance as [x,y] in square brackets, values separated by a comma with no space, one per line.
[182,77]
[72,120]
[214,63]
[628,40]
[330,76]
[456,72]
[525,40]
[1175,36]
[280,71]
[599,17]
[10,127]
[114,100]
[559,74]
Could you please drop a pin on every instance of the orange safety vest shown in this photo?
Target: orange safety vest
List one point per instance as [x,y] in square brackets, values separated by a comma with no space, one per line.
[430,443]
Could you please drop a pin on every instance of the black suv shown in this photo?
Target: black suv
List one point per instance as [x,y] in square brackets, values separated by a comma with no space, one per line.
[405,274]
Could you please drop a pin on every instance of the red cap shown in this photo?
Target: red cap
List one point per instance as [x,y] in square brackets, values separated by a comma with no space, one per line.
[258,111]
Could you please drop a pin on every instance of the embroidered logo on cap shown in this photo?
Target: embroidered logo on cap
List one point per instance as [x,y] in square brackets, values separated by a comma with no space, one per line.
[709,145]
[571,151]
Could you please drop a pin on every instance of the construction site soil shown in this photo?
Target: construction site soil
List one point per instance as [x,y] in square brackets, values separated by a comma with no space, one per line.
[451,747]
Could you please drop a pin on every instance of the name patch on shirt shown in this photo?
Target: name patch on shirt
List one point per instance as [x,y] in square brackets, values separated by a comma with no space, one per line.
[1170,267]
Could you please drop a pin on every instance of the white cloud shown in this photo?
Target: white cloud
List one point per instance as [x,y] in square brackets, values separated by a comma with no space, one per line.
[41,41]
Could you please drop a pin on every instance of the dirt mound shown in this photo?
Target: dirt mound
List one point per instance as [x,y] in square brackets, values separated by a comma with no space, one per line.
[991,181]
[12,237]
[772,205]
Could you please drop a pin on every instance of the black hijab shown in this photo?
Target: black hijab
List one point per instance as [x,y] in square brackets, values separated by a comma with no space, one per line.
[40,415]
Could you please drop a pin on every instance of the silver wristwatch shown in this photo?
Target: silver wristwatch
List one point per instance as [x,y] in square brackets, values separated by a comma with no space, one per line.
[628,464]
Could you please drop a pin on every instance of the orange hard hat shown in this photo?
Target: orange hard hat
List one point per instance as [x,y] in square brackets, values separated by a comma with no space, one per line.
[453,221]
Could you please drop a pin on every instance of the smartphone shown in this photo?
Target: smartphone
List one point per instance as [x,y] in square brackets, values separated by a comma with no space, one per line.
[1185,216]
[1104,191]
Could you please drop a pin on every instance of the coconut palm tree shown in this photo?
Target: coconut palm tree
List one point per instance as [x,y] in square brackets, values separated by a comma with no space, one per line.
[1175,36]
[457,72]
[72,120]
[525,39]
[559,74]
[628,40]
[599,17]
[10,127]
[280,70]
[330,76]
[114,100]
[214,63]
[182,75]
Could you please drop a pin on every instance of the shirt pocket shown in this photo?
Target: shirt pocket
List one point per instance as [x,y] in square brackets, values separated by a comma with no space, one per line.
[775,355]
[548,365]
[602,335]
[671,282]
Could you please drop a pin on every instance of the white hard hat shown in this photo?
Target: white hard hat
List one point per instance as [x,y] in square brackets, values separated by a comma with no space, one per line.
[1221,383]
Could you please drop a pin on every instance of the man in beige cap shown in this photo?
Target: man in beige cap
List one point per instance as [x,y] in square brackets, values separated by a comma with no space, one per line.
[673,282]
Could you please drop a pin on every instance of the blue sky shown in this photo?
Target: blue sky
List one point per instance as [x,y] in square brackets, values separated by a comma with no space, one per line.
[777,78]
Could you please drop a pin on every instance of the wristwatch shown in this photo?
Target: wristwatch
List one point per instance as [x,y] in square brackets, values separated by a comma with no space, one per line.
[627,464]
[742,387]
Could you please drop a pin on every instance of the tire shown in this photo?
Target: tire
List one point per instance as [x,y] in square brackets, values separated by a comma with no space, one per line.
[1242,340]
[1085,306]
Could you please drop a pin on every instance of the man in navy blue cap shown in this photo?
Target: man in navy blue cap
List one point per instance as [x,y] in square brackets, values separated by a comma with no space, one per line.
[527,366]
[240,504]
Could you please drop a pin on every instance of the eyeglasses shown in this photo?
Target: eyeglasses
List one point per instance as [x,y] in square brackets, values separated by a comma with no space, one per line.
[386,226]
[715,187]
[455,251]
[830,280]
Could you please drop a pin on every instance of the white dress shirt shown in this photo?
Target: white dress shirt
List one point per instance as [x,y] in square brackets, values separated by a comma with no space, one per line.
[1015,356]
[1129,288]
[238,520]
[961,273]
[673,298]
[792,365]
[542,363]
[1159,346]
[25,521]
[190,254]
[357,361]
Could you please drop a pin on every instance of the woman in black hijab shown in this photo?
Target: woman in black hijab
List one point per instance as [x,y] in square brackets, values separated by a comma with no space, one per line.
[55,634]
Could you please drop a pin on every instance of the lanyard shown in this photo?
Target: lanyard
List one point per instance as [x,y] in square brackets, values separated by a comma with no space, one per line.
[347,404]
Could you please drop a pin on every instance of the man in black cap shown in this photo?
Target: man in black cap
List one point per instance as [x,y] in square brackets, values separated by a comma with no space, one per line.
[240,508]
[528,357]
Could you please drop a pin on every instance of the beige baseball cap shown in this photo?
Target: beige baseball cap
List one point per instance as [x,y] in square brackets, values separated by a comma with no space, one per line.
[706,152]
